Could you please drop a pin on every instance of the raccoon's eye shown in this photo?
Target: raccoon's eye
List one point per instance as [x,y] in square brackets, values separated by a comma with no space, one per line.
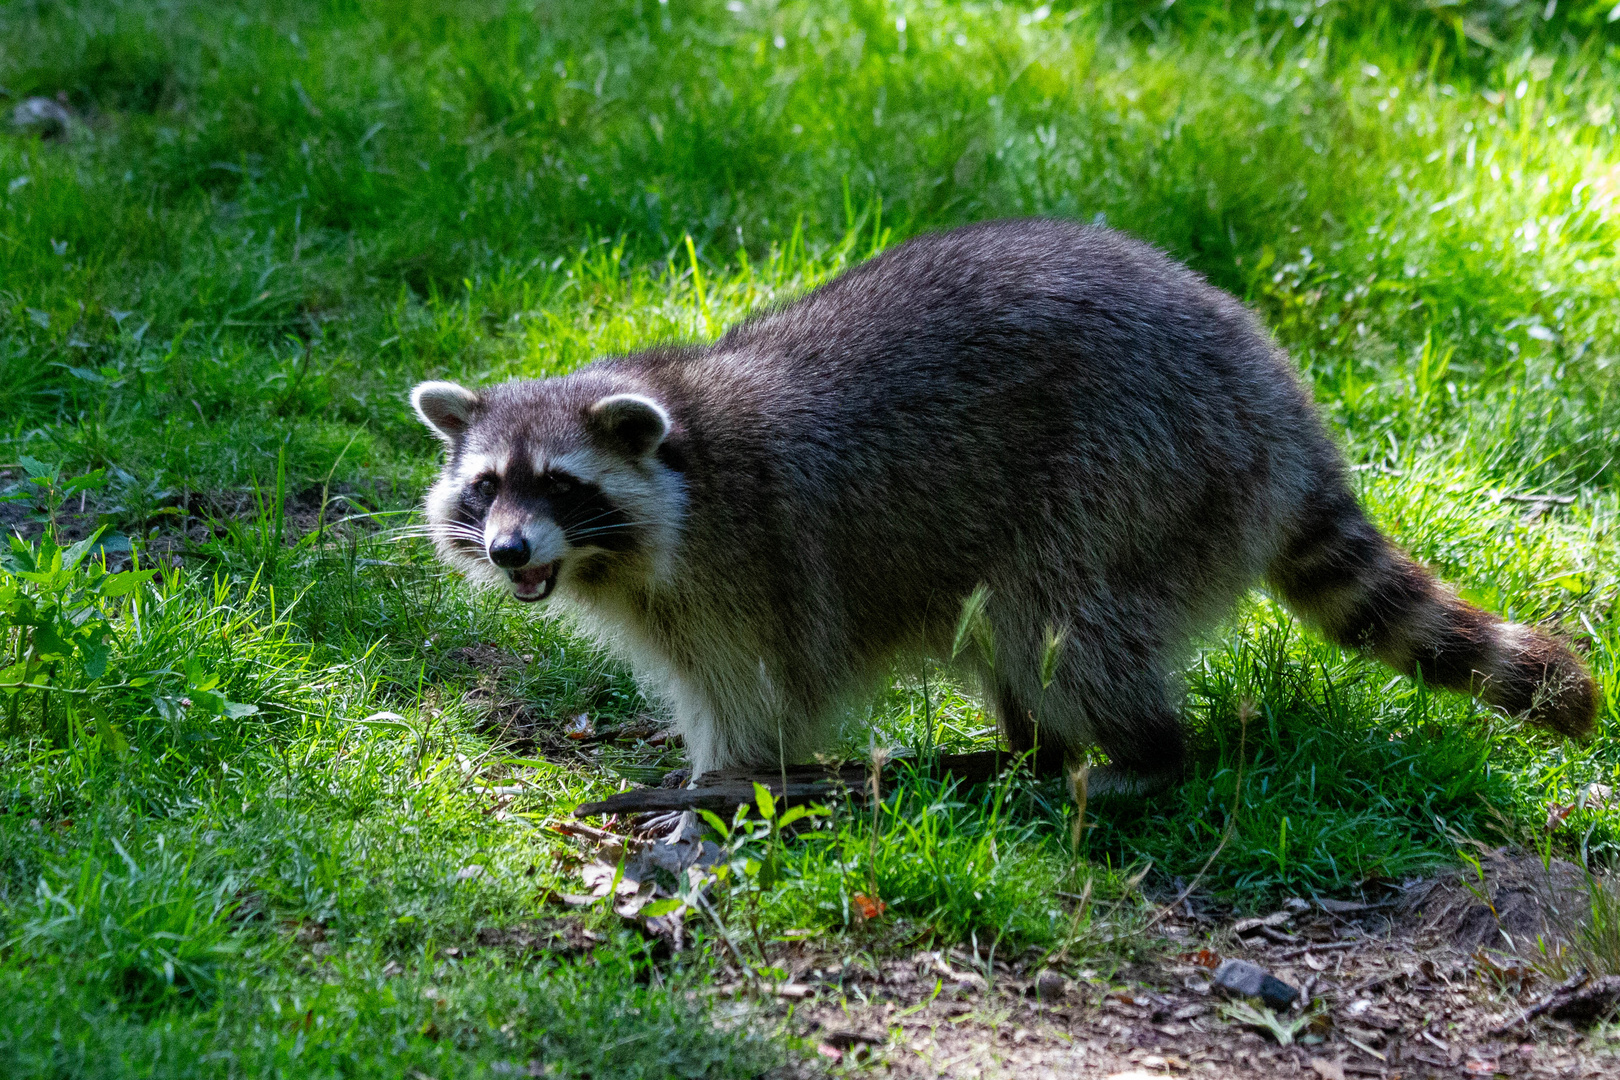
[561,485]
[485,487]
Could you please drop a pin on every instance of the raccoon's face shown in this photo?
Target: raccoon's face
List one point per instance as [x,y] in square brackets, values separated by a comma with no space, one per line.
[548,483]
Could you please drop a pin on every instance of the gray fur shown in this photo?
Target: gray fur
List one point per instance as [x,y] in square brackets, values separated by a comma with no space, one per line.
[1111,445]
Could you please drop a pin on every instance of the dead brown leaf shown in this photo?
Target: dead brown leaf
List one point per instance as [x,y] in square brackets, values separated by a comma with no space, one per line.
[1202,958]
[1327,1070]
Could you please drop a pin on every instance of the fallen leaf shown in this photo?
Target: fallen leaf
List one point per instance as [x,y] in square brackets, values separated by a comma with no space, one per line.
[868,907]
[580,727]
[1327,1070]
[1343,907]
[1507,974]
[1246,927]
[1556,813]
[1202,958]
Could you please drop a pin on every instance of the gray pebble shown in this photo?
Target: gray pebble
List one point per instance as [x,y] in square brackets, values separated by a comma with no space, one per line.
[1250,980]
[1050,986]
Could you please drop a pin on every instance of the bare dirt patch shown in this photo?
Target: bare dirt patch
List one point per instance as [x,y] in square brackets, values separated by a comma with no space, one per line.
[1511,903]
[559,937]
[1399,988]
[180,522]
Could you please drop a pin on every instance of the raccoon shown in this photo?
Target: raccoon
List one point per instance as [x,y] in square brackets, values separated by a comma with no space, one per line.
[1111,447]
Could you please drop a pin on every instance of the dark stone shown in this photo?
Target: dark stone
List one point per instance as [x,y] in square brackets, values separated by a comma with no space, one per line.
[1250,980]
[1050,986]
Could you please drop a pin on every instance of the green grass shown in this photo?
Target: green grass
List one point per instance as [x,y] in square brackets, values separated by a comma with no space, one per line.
[274,218]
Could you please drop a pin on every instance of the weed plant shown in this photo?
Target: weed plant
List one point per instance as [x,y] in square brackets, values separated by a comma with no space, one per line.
[255,815]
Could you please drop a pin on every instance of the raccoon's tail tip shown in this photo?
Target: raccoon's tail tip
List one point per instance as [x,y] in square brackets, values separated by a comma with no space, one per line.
[1540,678]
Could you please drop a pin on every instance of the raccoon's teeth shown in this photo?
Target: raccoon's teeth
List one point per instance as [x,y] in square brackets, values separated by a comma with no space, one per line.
[532,583]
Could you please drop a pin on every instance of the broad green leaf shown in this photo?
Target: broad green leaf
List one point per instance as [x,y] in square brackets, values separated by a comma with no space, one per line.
[90,481]
[49,644]
[795,813]
[199,679]
[35,468]
[767,804]
[23,553]
[208,701]
[93,657]
[126,582]
[715,823]
[71,557]
[11,676]
[660,907]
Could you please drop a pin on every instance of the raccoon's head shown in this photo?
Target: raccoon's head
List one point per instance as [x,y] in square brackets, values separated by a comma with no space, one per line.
[550,483]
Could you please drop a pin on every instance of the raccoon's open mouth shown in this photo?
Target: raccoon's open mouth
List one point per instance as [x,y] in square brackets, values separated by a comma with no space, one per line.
[532,583]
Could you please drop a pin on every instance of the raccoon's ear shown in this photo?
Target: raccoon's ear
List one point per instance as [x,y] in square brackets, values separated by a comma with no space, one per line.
[445,407]
[629,422]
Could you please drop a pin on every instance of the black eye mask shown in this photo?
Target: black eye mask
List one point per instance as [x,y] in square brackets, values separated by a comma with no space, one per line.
[585,514]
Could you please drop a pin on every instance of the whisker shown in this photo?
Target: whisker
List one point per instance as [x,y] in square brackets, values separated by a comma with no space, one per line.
[626,522]
[598,531]
[595,517]
[576,524]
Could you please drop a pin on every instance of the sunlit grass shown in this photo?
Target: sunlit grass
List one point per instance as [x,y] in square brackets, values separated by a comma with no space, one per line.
[274,219]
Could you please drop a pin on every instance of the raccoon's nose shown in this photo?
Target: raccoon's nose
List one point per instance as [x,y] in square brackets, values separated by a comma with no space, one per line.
[510,551]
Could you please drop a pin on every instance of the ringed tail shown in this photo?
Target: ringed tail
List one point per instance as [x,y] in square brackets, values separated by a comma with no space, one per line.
[1341,575]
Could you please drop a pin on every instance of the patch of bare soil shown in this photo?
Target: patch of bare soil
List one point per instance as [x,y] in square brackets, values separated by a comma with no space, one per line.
[184,520]
[1510,903]
[560,937]
[638,749]
[1419,985]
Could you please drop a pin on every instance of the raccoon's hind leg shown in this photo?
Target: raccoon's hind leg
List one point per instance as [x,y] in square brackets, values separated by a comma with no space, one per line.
[1113,693]
[1017,723]
[1134,719]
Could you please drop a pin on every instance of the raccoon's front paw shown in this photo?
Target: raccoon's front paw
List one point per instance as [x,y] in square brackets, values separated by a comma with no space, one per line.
[671,827]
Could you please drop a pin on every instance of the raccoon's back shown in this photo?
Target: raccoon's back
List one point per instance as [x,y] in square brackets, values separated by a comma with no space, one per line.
[972,396]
